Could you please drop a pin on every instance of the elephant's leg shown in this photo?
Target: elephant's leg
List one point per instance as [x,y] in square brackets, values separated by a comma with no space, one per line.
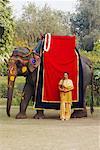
[26,96]
[39,114]
[87,75]
[81,112]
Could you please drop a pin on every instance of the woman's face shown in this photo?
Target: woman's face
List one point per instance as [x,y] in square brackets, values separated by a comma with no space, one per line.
[65,75]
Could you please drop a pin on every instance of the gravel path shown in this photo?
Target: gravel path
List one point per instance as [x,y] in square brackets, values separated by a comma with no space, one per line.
[49,133]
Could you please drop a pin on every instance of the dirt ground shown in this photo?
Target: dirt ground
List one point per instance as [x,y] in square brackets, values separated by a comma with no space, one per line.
[49,133]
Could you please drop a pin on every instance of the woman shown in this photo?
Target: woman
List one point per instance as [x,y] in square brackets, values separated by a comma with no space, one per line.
[65,88]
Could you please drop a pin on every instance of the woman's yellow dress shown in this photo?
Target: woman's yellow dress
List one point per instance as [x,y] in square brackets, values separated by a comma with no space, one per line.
[66,99]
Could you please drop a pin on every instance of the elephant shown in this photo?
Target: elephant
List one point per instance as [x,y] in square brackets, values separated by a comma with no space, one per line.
[18,67]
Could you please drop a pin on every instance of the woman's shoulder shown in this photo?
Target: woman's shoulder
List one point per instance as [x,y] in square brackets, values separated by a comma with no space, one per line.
[60,82]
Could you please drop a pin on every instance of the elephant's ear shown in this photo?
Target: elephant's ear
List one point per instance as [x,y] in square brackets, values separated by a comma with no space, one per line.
[34,63]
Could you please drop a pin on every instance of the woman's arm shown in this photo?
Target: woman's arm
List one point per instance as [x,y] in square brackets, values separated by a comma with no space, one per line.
[60,88]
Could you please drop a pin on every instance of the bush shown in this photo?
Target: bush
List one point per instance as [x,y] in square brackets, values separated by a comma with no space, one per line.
[94,56]
[17,93]
[97,46]
[3,91]
[17,89]
[3,68]
[95,97]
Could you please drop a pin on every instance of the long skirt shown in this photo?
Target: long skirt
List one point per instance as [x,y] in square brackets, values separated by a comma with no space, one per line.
[65,106]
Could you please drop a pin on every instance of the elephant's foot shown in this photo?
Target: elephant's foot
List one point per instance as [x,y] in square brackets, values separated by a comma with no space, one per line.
[79,113]
[39,115]
[21,116]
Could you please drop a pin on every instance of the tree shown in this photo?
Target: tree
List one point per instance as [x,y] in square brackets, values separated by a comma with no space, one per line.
[86,22]
[39,20]
[26,27]
[6,34]
[6,22]
[55,22]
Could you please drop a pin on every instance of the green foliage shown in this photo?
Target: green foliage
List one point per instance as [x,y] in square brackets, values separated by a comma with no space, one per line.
[6,21]
[18,88]
[94,56]
[86,23]
[96,98]
[6,40]
[3,69]
[3,91]
[97,47]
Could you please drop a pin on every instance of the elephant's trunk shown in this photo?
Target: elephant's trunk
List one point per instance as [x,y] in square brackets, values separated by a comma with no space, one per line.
[10,95]
[12,73]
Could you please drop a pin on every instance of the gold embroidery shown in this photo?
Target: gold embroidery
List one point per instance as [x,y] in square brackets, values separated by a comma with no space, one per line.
[24,69]
[12,78]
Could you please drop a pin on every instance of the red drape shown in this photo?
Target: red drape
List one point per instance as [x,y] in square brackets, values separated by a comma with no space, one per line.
[60,58]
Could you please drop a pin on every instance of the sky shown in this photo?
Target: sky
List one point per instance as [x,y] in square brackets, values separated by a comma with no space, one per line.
[64,5]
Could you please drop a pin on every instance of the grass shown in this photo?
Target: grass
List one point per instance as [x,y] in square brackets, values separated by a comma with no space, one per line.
[19,80]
